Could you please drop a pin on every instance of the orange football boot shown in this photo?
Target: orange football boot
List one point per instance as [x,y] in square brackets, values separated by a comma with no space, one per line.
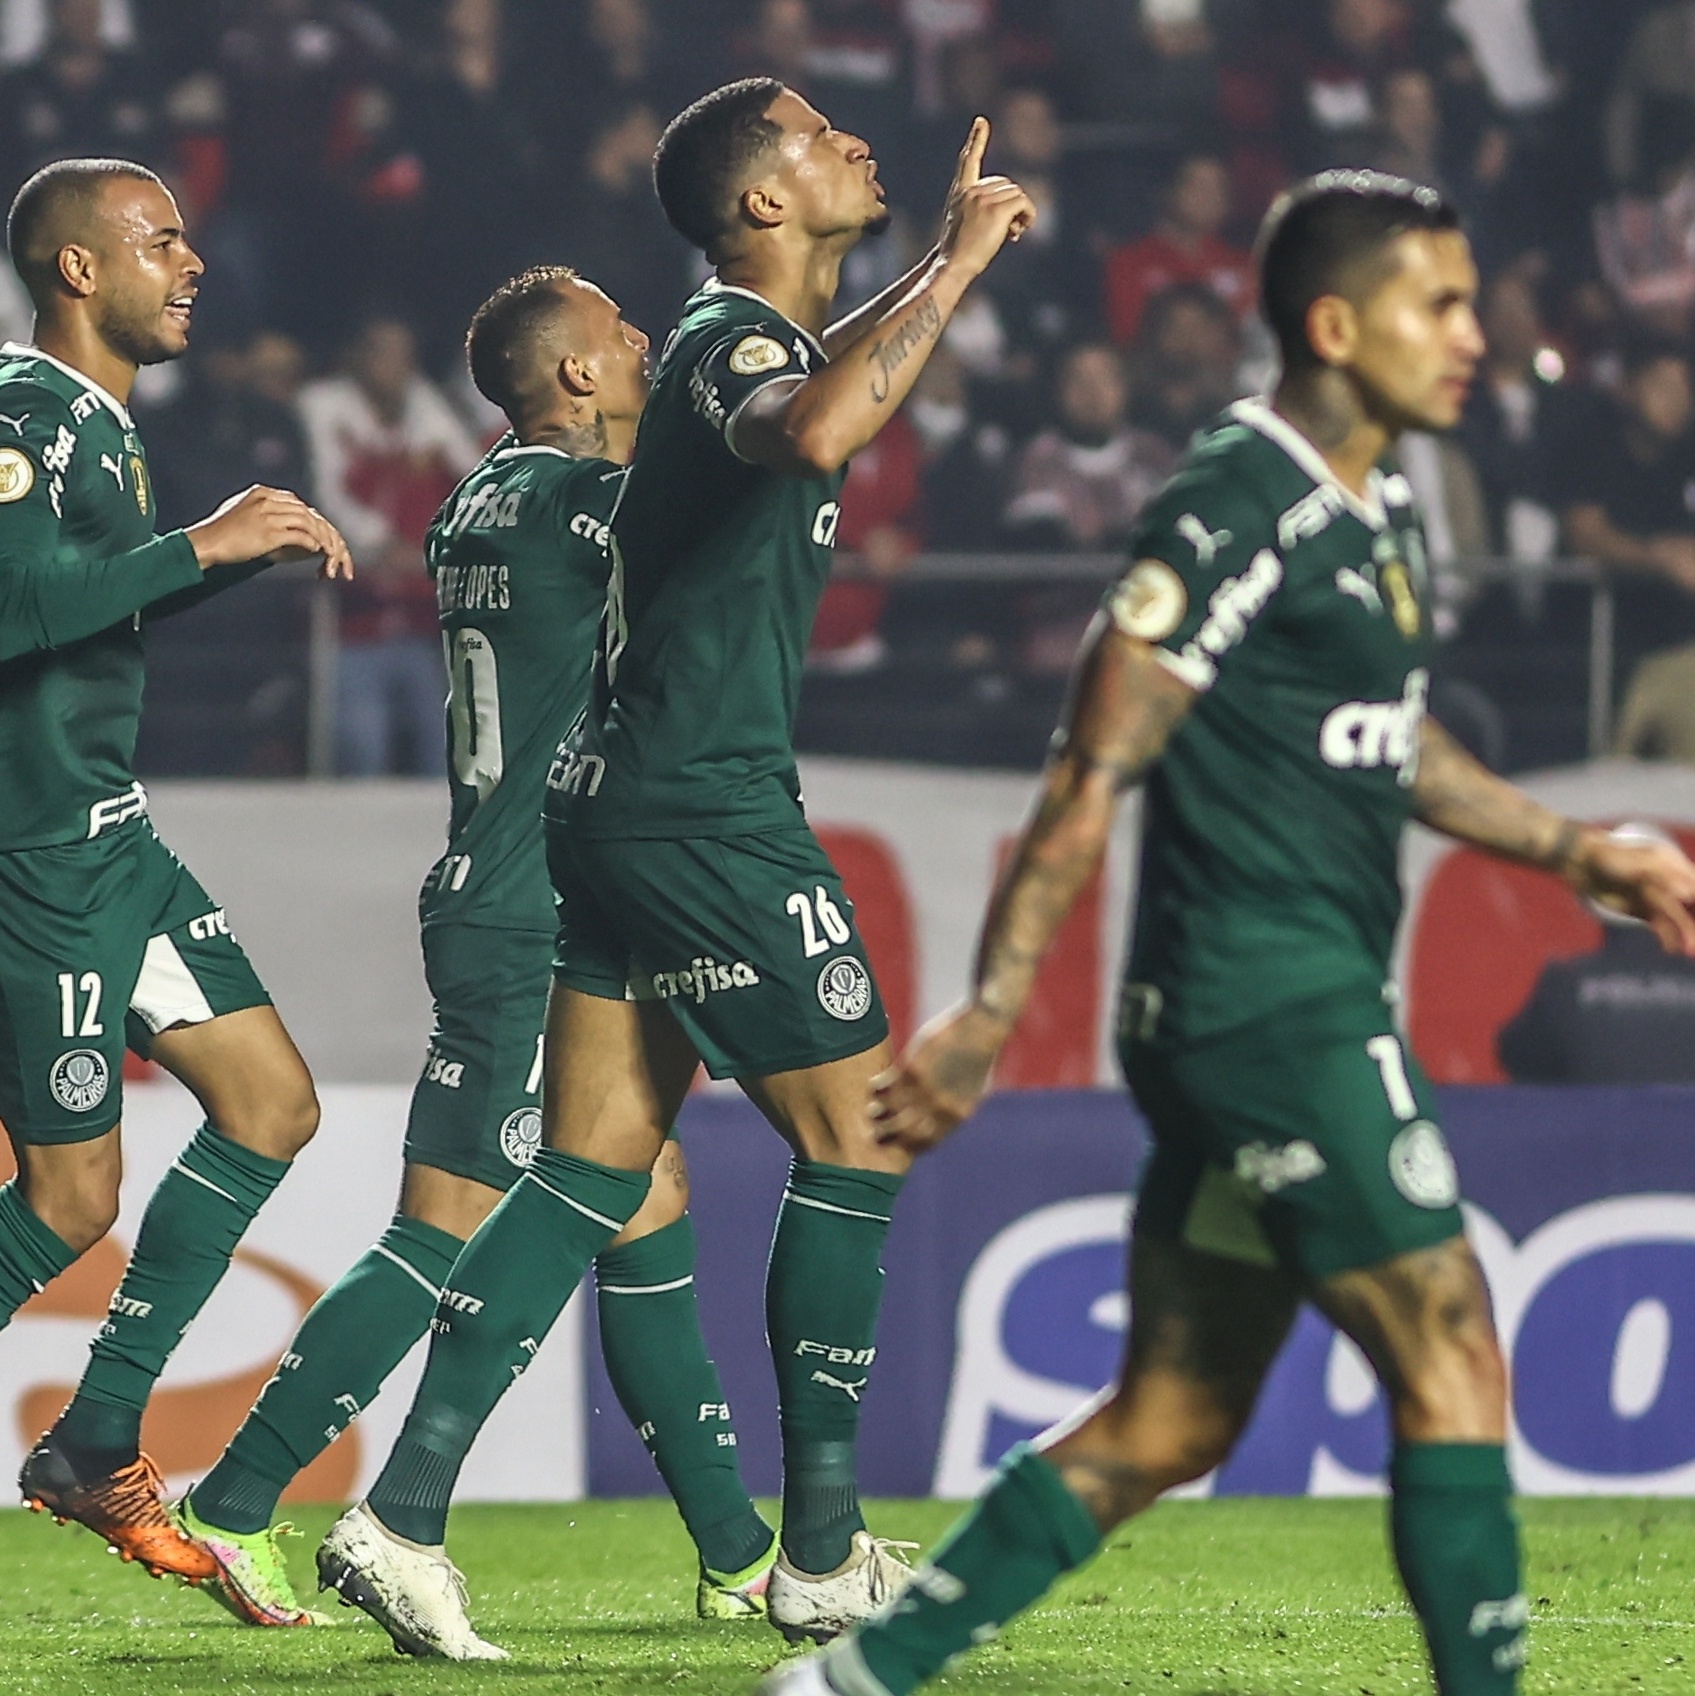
[125,1508]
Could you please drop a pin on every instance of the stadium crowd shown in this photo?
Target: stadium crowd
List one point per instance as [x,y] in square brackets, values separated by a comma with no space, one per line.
[358,174]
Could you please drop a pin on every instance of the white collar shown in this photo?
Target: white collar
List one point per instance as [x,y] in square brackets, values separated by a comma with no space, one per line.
[717,285]
[532,447]
[1257,414]
[116,406]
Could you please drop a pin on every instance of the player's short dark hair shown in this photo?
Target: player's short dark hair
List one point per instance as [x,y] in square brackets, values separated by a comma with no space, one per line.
[504,329]
[1326,235]
[54,207]
[702,159]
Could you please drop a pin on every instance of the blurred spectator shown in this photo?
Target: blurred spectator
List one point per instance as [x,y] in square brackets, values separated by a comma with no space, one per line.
[964,461]
[879,532]
[1646,241]
[81,96]
[1624,1014]
[1658,61]
[1081,482]
[1409,128]
[1037,285]
[1358,44]
[233,423]
[482,169]
[1629,490]
[386,450]
[615,233]
[1513,421]
[1657,720]
[305,87]
[1150,63]
[1186,246]
[1185,362]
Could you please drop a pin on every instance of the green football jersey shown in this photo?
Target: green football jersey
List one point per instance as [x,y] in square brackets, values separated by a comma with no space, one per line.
[1272,825]
[717,570]
[79,565]
[520,562]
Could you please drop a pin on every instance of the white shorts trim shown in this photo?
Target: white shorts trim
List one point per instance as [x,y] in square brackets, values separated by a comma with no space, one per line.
[166,993]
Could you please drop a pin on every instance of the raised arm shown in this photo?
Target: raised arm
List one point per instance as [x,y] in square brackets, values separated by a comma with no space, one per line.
[815,424]
[1124,707]
[1455,794]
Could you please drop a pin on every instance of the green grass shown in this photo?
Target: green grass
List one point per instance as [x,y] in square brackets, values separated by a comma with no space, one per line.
[1229,1598]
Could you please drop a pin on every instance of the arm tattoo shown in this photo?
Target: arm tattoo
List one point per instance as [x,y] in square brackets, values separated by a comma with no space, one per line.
[1456,795]
[887,357]
[1124,712]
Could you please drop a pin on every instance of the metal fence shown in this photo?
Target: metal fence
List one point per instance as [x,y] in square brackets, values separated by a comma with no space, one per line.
[1532,644]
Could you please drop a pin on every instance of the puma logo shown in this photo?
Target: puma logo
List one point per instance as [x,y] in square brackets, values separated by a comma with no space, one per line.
[850,1390]
[16,423]
[107,463]
[1205,542]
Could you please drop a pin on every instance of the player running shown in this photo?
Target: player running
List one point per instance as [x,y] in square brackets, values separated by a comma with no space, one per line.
[105,938]
[700,920]
[1263,664]
[520,562]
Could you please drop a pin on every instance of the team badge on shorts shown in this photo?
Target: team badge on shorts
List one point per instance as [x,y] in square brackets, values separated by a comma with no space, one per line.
[844,987]
[79,1080]
[1422,1168]
[520,1135]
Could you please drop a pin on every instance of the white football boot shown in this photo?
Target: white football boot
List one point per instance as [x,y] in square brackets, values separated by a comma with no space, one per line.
[417,1595]
[839,1670]
[823,1605]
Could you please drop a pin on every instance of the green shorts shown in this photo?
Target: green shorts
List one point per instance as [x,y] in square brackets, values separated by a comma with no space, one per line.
[1308,1140]
[749,940]
[476,1108]
[103,944]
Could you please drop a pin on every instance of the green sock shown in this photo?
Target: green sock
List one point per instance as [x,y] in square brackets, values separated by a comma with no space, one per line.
[1022,1535]
[197,1216]
[354,1337]
[31,1254]
[822,1292]
[509,1285]
[1456,1543]
[669,1388]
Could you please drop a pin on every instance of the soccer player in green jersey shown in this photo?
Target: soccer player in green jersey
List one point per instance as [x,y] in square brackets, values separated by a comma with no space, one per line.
[105,938]
[519,557]
[699,919]
[1263,666]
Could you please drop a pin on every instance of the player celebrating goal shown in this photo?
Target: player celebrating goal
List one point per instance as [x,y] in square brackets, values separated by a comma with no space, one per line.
[699,917]
[519,557]
[104,936]
[1263,663]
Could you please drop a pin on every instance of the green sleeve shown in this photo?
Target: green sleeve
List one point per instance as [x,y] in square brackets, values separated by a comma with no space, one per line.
[212,582]
[48,596]
[1204,569]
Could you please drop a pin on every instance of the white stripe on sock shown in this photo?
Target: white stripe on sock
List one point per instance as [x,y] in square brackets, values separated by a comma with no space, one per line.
[830,1207]
[560,1195]
[410,1271]
[177,1166]
[644,1289]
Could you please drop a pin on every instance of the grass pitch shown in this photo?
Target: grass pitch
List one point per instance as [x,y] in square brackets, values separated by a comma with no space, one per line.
[1226,1598]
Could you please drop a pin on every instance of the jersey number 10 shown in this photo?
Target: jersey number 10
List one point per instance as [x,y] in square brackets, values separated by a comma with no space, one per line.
[473,711]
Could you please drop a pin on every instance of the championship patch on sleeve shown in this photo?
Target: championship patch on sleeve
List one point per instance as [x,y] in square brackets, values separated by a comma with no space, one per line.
[1151,601]
[754,354]
[17,474]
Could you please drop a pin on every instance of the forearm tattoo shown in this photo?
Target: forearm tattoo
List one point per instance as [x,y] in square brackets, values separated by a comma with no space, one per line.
[1456,795]
[888,356]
